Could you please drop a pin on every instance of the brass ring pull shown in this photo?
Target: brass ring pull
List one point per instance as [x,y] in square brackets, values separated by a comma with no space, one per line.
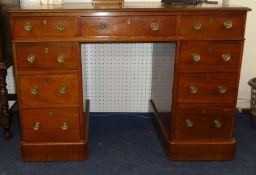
[155,26]
[225,57]
[63,89]
[64,126]
[197,25]
[102,26]
[60,26]
[189,123]
[193,89]
[31,58]
[36,126]
[196,57]
[61,58]
[34,90]
[217,124]
[228,24]
[28,26]
[222,89]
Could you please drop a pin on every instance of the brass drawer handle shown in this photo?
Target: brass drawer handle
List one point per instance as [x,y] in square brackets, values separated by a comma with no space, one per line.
[155,26]
[61,58]
[28,26]
[228,24]
[189,123]
[36,126]
[226,57]
[50,114]
[60,26]
[102,26]
[222,89]
[34,90]
[196,57]
[31,58]
[64,126]
[193,89]
[217,124]
[63,89]
[197,25]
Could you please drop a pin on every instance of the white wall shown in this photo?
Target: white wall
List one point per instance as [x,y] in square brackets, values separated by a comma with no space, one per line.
[249,58]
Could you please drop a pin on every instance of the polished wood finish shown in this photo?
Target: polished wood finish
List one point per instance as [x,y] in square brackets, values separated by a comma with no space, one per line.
[48,90]
[44,27]
[50,124]
[207,88]
[47,56]
[212,26]
[193,94]
[128,26]
[211,56]
[208,122]
[52,151]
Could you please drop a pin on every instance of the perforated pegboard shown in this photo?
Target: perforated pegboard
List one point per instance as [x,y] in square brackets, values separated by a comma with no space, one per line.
[10,83]
[117,76]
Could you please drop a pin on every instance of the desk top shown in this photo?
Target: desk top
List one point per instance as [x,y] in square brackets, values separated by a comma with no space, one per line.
[135,6]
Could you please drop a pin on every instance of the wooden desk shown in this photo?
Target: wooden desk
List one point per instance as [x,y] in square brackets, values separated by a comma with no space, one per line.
[198,122]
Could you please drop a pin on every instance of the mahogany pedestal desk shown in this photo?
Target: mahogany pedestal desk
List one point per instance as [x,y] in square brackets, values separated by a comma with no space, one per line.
[194,116]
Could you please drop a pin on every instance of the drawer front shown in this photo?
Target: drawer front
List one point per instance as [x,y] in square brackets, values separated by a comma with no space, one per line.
[209,57]
[29,27]
[51,124]
[193,122]
[48,90]
[207,88]
[35,56]
[212,26]
[129,26]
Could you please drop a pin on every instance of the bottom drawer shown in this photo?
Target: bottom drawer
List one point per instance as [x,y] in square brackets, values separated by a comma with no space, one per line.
[50,125]
[196,122]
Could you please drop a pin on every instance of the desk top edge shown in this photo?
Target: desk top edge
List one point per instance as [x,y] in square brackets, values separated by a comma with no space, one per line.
[82,7]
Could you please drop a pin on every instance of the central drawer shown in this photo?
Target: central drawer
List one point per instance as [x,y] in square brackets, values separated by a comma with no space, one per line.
[50,124]
[49,90]
[129,26]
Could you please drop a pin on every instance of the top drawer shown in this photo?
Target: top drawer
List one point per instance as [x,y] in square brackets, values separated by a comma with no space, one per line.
[129,26]
[23,27]
[212,26]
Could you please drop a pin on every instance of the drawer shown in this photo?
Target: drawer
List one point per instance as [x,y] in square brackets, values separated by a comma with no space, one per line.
[52,124]
[196,122]
[129,26]
[48,90]
[212,26]
[36,56]
[38,27]
[210,57]
[207,88]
